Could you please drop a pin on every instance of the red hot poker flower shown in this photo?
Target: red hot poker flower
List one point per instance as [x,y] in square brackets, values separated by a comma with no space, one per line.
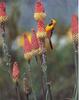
[27,45]
[2,9]
[74,24]
[35,44]
[74,27]
[3,15]
[41,26]
[15,71]
[39,7]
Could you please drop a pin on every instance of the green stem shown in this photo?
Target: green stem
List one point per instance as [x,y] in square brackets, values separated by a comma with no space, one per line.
[44,69]
[17,91]
[31,82]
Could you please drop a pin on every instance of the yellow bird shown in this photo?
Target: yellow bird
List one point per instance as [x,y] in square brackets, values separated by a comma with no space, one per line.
[50,27]
[49,30]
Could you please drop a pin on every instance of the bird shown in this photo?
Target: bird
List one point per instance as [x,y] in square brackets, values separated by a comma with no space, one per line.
[50,27]
[49,30]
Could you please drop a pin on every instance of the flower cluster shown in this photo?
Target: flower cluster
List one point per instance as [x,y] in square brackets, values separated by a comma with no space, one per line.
[31,43]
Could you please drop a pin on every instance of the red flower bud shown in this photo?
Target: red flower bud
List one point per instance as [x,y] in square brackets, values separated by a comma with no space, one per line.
[74,24]
[39,7]
[15,71]
[3,15]
[74,27]
[2,9]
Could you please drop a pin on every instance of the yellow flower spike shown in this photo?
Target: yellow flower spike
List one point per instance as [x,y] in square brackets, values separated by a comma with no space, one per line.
[29,36]
[20,40]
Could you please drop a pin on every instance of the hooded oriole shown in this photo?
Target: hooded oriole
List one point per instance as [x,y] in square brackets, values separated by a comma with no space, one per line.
[49,30]
[50,27]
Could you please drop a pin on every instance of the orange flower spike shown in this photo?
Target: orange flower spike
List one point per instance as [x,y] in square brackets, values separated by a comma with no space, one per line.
[41,33]
[74,24]
[41,27]
[35,44]
[27,44]
[3,15]
[20,40]
[2,9]
[39,11]
[74,28]
[39,16]
[39,7]
[15,71]
[27,48]
[29,36]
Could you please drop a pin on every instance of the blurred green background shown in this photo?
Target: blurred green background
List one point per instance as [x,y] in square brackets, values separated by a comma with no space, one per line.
[60,61]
